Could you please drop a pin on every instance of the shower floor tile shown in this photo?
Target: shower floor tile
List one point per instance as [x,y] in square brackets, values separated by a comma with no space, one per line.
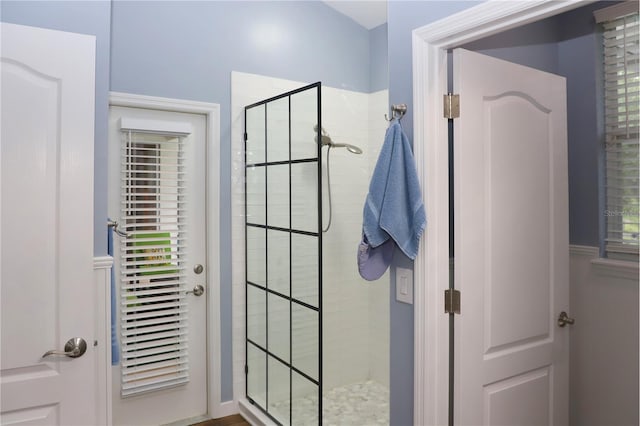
[357,404]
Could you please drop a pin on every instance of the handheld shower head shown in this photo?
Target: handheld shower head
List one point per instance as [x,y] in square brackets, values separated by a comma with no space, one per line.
[325,139]
[351,148]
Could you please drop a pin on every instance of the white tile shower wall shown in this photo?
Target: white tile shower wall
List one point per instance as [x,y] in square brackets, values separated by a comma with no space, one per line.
[356,318]
[246,89]
[345,294]
[379,292]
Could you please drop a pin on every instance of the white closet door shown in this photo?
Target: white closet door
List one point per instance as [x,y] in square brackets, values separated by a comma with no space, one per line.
[511,244]
[47,226]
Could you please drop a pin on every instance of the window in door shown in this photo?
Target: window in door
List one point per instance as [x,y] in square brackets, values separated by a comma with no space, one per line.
[622,122]
[153,309]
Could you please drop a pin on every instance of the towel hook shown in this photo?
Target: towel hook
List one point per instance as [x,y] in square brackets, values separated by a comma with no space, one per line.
[397,111]
[113,224]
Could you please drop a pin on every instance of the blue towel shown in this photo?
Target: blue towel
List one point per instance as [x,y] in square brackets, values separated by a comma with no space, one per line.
[115,350]
[394,207]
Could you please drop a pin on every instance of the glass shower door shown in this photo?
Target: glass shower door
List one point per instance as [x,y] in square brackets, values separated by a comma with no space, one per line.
[283,206]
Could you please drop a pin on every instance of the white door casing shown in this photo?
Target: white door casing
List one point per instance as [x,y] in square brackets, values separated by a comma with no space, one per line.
[511,244]
[217,408]
[48,86]
[187,400]
[430,129]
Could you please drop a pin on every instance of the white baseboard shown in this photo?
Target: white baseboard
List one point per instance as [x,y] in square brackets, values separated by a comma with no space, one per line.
[228,408]
[253,415]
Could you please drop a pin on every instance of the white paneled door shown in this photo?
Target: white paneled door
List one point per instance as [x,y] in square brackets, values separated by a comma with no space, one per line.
[157,195]
[511,244]
[47,296]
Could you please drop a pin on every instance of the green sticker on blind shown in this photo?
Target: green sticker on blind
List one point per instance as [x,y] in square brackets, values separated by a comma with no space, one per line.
[159,251]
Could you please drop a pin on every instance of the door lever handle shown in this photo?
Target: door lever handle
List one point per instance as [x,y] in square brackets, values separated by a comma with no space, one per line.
[564,319]
[198,290]
[74,348]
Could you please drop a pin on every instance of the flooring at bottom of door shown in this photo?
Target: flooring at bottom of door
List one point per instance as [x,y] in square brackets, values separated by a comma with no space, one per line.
[235,420]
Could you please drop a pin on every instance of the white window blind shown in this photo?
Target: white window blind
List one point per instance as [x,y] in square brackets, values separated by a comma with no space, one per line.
[622,122]
[153,308]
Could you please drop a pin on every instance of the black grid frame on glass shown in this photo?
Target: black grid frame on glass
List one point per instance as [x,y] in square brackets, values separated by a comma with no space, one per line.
[261,164]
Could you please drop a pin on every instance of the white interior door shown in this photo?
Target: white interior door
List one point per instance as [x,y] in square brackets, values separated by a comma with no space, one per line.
[511,244]
[46,298]
[157,195]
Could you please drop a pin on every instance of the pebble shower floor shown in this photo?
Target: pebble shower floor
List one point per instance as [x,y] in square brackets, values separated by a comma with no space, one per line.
[357,404]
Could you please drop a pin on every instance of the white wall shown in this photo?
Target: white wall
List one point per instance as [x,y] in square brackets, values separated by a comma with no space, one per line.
[356,312]
[378,291]
[604,340]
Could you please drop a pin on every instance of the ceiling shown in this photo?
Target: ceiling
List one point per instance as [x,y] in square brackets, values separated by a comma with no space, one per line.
[368,13]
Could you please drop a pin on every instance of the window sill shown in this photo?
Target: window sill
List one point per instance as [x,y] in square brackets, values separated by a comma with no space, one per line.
[616,268]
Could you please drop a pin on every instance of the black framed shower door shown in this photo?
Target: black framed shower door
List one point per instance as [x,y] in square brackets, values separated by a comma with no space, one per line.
[283,256]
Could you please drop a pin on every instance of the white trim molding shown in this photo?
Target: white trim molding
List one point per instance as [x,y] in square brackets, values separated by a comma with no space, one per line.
[163,104]
[588,251]
[430,44]
[603,266]
[616,268]
[102,262]
[616,11]
[211,112]
[102,317]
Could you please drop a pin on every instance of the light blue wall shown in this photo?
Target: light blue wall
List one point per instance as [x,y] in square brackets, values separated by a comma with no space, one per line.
[403,17]
[568,45]
[92,18]
[187,50]
[307,41]
[378,58]
[579,54]
[534,45]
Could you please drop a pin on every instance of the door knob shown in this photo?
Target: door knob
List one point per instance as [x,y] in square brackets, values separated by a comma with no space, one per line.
[74,348]
[198,290]
[564,319]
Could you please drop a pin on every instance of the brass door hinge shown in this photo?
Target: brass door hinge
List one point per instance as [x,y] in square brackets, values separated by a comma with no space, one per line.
[451,106]
[451,301]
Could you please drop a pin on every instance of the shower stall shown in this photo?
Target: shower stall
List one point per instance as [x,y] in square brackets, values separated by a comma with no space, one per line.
[316,333]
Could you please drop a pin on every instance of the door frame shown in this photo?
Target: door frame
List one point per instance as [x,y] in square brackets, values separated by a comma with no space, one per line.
[211,111]
[430,130]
